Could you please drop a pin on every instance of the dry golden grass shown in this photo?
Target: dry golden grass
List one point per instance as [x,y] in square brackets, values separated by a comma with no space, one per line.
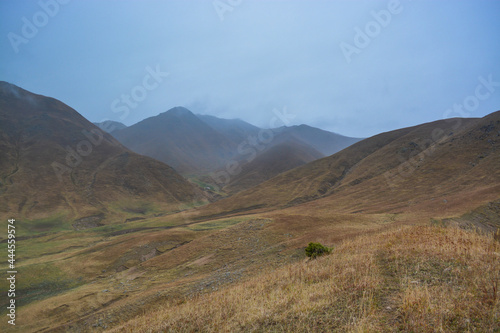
[415,279]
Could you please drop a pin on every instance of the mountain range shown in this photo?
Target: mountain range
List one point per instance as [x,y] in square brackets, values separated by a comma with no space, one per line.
[55,163]
[216,150]
[111,239]
[445,163]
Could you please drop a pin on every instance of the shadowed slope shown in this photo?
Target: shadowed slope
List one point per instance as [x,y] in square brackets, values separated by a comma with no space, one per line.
[325,142]
[177,137]
[235,130]
[277,159]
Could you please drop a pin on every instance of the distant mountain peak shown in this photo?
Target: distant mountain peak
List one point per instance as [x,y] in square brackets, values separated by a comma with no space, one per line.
[110,126]
[179,111]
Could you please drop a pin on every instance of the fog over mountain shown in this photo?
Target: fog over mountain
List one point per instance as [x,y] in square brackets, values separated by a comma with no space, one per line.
[202,144]
[357,68]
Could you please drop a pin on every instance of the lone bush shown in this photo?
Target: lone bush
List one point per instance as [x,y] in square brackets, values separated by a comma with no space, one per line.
[314,250]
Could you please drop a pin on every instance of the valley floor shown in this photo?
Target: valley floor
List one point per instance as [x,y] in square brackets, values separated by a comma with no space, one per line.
[186,273]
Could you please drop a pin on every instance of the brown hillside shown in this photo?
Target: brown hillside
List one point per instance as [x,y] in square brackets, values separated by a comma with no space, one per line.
[55,163]
[412,279]
[430,160]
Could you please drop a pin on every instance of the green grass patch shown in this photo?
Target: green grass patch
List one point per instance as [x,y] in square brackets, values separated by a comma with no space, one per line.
[55,223]
[204,185]
[52,244]
[39,281]
[213,225]
[438,223]
[131,208]
[191,205]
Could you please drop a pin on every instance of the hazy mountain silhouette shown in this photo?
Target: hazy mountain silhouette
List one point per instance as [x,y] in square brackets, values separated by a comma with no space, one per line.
[235,130]
[325,142]
[110,126]
[200,144]
[180,139]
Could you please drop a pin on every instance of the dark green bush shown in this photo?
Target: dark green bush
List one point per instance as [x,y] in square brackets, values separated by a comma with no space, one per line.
[314,250]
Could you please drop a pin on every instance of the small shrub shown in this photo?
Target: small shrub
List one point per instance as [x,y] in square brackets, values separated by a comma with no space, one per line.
[314,250]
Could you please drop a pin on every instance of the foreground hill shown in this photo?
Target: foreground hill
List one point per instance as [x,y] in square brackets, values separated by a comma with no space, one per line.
[180,139]
[57,166]
[437,160]
[413,279]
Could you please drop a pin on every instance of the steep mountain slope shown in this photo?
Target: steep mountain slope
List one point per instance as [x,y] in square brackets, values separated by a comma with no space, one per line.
[180,139]
[55,163]
[273,161]
[325,142]
[445,158]
[235,130]
[110,126]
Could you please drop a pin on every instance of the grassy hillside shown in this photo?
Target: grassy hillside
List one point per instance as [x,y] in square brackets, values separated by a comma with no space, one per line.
[412,279]
[429,162]
[57,168]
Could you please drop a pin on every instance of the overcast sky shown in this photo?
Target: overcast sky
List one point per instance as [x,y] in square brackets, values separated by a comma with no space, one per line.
[357,68]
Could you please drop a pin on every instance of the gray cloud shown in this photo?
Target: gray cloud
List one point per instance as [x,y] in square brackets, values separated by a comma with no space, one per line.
[263,55]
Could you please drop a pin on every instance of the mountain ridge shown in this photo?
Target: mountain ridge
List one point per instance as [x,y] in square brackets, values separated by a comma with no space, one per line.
[380,160]
[180,139]
[208,143]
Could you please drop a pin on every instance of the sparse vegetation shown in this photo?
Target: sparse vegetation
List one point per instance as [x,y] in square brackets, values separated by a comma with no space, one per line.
[414,279]
[314,250]
[216,224]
